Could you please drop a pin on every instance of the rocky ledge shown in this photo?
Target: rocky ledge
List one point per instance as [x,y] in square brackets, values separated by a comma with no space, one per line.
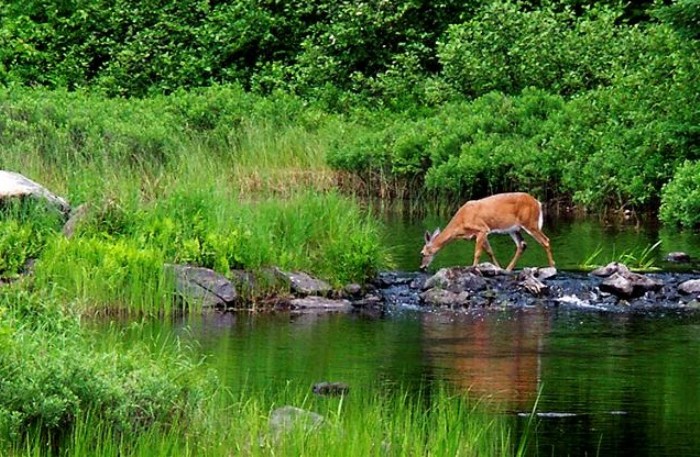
[613,287]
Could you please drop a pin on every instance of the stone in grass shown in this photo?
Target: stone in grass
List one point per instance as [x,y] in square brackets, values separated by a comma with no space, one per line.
[15,185]
[287,419]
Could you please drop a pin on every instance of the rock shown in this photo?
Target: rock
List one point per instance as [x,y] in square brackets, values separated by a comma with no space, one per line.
[331,388]
[488,269]
[288,418]
[14,185]
[538,273]
[628,285]
[76,216]
[201,286]
[302,284]
[353,290]
[610,269]
[320,304]
[677,257]
[534,286]
[368,301]
[442,297]
[456,279]
[690,287]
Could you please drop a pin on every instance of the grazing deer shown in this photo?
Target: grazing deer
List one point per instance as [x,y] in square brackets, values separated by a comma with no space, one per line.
[501,213]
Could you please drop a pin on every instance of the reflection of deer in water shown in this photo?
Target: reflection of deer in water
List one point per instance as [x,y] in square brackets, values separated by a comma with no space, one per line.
[489,356]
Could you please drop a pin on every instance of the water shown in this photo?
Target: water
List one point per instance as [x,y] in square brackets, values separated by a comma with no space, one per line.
[600,383]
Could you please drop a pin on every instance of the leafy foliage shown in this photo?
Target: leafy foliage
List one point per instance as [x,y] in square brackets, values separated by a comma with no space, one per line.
[50,375]
[680,198]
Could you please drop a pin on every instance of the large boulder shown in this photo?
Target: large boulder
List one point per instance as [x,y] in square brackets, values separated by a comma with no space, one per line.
[15,185]
[201,286]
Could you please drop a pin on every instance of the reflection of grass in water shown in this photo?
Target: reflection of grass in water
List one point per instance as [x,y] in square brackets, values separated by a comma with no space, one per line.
[642,260]
[370,421]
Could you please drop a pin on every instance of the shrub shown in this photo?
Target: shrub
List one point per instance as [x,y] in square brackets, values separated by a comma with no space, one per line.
[51,374]
[680,198]
[507,47]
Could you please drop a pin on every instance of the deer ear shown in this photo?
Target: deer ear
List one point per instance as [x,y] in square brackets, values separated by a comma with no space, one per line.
[435,233]
[427,236]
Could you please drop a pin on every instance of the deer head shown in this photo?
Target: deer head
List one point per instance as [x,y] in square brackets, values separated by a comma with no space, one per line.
[429,250]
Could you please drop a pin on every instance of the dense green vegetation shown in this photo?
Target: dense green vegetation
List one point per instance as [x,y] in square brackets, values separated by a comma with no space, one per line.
[584,101]
[218,134]
[219,179]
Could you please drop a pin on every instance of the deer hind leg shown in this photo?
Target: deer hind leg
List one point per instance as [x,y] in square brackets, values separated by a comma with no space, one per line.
[541,238]
[520,246]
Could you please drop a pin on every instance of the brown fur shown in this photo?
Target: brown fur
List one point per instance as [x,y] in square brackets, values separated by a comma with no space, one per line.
[509,212]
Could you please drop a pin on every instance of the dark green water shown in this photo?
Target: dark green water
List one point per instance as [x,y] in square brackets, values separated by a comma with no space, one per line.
[603,383]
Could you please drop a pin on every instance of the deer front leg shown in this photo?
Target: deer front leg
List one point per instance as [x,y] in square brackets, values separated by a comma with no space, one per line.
[489,251]
[481,243]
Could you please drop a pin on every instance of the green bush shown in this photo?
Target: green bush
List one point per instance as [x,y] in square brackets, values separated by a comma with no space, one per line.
[51,375]
[680,198]
[507,47]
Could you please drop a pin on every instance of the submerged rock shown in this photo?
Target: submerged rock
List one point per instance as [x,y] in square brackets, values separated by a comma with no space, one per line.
[320,303]
[331,388]
[288,418]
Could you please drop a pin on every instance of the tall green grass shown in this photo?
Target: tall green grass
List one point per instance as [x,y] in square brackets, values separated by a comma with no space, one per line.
[392,423]
[216,178]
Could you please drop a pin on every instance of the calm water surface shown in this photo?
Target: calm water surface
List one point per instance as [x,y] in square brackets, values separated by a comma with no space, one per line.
[603,384]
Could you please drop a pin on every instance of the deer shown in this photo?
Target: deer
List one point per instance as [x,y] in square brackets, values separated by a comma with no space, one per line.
[508,213]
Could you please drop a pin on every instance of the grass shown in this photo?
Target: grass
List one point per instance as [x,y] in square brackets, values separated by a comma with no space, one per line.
[636,260]
[217,178]
[366,422]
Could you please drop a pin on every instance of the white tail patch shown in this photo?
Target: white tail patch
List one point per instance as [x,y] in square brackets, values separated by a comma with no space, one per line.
[540,220]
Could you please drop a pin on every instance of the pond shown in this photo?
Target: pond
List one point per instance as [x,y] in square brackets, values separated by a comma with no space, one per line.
[599,383]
